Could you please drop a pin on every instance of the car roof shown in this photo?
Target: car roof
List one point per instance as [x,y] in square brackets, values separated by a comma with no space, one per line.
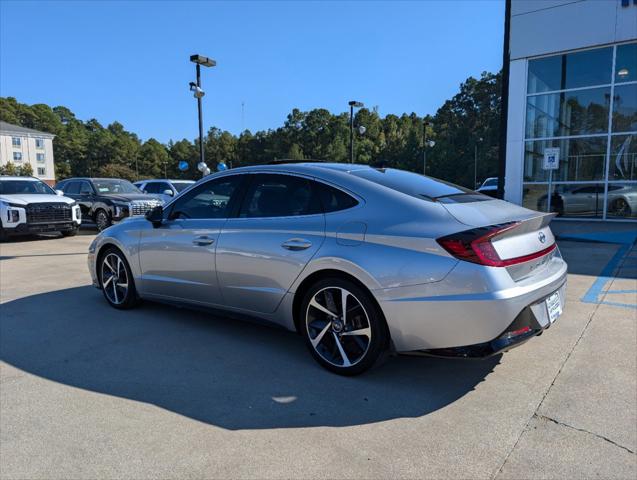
[15,177]
[165,180]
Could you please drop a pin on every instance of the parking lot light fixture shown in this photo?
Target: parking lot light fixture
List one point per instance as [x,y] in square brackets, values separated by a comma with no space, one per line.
[200,60]
[352,104]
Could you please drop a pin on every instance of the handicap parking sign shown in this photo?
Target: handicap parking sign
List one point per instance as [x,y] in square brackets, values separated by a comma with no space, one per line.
[551,159]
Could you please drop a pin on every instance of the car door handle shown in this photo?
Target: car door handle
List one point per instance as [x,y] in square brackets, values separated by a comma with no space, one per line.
[297,244]
[203,241]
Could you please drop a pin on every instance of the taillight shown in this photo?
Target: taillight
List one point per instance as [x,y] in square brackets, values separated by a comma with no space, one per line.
[475,246]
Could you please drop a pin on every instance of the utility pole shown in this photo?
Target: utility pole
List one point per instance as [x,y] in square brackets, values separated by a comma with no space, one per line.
[425,124]
[475,163]
[199,93]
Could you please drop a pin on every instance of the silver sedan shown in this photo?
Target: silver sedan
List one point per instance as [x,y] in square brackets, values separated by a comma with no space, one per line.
[358,260]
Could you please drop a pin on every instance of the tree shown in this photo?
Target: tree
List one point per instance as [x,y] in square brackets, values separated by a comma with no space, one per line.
[25,170]
[8,169]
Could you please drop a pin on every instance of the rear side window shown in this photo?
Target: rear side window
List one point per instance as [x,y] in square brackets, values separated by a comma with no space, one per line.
[274,195]
[418,186]
[334,199]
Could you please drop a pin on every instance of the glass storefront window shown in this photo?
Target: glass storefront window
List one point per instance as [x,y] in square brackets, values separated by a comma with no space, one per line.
[622,200]
[573,70]
[626,63]
[625,108]
[534,196]
[581,159]
[568,113]
[623,158]
[581,201]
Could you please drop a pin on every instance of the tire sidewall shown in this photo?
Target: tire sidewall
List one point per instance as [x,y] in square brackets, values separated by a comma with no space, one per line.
[380,336]
[131,294]
[108,220]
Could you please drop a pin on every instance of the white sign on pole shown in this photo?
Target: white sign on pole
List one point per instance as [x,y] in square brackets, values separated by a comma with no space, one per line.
[551,158]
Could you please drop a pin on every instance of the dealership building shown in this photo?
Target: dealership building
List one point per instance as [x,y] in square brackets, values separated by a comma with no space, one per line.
[25,146]
[572,108]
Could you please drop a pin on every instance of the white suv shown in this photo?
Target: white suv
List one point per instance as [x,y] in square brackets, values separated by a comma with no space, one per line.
[29,206]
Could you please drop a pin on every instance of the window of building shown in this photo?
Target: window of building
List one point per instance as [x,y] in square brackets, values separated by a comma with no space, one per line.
[578,104]
[17,156]
[39,143]
[40,157]
[16,141]
[41,170]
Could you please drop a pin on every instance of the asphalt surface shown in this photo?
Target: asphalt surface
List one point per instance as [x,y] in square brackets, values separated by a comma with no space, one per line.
[87,391]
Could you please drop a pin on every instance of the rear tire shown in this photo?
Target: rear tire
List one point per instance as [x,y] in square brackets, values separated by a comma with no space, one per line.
[116,280]
[344,344]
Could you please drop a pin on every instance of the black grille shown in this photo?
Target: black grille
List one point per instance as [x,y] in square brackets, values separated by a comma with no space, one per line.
[140,207]
[48,212]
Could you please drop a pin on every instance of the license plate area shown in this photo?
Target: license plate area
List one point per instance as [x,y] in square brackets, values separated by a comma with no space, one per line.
[554,306]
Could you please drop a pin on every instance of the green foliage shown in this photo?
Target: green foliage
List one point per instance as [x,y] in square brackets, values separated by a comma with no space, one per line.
[86,148]
[10,168]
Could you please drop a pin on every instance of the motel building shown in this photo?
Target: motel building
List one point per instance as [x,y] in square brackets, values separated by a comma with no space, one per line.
[572,108]
[21,146]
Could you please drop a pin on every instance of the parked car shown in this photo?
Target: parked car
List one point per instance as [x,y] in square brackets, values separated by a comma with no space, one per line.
[104,201]
[489,187]
[164,187]
[356,259]
[29,206]
[588,200]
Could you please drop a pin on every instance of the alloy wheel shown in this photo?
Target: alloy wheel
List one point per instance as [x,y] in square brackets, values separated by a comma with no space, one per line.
[102,221]
[114,279]
[338,326]
[621,208]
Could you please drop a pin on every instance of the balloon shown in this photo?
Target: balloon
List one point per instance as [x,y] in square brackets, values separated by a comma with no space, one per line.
[221,167]
[206,171]
[183,166]
[201,166]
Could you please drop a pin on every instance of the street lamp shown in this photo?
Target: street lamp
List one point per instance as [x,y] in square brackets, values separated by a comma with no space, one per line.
[198,93]
[425,143]
[475,162]
[352,104]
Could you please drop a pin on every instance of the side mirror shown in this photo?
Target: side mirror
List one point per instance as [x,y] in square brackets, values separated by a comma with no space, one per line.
[168,192]
[155,216]
[59,192]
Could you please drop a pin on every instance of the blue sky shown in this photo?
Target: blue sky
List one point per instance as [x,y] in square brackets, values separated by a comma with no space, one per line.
[128,61]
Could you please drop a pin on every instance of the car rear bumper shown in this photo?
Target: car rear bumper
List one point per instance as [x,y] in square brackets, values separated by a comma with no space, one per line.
[442,315]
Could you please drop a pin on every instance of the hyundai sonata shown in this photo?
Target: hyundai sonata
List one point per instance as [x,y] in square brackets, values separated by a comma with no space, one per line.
[357,260]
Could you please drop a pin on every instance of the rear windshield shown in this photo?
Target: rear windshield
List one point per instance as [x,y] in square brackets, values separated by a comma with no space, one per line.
[419,186]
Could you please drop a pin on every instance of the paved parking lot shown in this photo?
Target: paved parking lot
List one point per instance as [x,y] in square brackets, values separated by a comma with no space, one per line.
[90,392]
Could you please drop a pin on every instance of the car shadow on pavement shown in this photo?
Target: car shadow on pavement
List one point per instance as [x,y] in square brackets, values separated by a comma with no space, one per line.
[228,373]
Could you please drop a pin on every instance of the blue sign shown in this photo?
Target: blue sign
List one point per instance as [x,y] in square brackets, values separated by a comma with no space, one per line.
[183,166]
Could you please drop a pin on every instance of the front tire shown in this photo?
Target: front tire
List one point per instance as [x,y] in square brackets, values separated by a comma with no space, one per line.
[343,327]
[70,233]
[116,280]
[102,220]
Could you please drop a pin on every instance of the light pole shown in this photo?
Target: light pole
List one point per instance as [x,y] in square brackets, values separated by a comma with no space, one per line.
[352,104]
[475,162]
[425,143]
[199,93]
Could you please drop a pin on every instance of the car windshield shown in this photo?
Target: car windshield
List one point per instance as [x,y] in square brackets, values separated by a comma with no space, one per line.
[179,186]
[418,186]
[12,187]
[115,186]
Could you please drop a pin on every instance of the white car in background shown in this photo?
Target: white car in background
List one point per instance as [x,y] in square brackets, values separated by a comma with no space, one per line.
[29,206]
[167,189]
[489,187]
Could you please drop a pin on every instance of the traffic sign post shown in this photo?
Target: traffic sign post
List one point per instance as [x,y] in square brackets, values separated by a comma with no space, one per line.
[551,162]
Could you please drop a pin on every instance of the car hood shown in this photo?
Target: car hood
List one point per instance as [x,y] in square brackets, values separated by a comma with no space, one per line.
[26,198]
[128,197]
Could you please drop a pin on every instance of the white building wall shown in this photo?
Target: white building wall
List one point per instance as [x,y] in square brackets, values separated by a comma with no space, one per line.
[545,27]
[29,153]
